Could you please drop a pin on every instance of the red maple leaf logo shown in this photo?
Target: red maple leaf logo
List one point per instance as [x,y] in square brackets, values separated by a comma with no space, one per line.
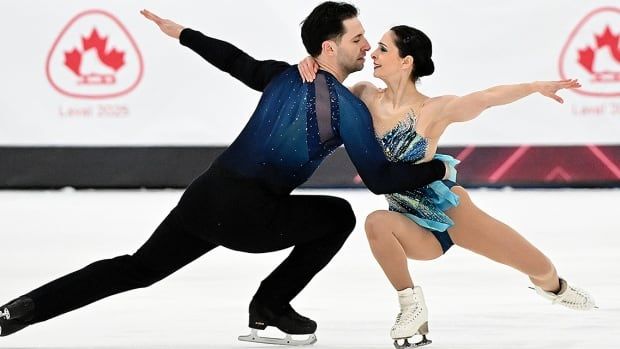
[94,57]
[588,54]
[73,60]
[113,59]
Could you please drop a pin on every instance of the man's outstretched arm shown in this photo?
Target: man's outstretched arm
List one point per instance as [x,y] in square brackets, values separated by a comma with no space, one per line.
[226,57]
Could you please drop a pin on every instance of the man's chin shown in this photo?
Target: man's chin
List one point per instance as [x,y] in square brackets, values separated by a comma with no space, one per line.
[356,68]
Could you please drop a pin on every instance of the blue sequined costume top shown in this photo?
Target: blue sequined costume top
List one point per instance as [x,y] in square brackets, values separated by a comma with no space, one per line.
[425,205]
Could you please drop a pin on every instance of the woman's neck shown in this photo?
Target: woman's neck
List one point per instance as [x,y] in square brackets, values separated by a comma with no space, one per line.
[402,92]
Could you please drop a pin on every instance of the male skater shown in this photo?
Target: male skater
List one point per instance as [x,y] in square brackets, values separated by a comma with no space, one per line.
[243,201]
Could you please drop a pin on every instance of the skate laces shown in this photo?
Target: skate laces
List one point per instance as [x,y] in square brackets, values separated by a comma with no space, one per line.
[569,296]
[408,315]
[575,298]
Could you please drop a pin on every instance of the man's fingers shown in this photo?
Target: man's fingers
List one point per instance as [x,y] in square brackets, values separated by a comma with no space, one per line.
[147,15]
[150,15]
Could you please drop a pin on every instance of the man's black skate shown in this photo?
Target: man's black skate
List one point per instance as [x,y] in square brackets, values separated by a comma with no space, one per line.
[285,318]
[15,315]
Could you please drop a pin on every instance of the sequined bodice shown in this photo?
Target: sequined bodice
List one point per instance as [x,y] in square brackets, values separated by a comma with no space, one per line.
[424,205]
[403,143]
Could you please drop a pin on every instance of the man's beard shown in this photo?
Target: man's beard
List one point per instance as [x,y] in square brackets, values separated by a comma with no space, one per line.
[351,66]
[355,67]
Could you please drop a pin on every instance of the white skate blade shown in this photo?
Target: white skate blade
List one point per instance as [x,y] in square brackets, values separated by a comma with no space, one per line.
[288,340]
[406,343]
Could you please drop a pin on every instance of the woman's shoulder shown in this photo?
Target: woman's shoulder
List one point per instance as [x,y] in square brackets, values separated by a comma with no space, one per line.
[434,105]
[364,89]
[439,100]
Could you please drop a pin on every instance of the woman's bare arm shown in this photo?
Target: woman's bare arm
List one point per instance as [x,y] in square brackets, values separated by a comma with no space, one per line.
[468,107]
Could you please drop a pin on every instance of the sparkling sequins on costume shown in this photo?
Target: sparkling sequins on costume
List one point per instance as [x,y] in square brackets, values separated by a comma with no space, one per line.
[425,205]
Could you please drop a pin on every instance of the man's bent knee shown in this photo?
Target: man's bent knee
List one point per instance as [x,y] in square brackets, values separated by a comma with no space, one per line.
[345,216]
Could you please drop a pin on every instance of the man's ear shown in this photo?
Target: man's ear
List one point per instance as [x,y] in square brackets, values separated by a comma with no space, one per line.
[328,47]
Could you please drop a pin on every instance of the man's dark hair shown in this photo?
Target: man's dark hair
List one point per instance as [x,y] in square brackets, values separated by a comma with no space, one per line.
[325,23]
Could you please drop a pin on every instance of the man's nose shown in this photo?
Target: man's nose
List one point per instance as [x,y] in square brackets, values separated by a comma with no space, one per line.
[366,46]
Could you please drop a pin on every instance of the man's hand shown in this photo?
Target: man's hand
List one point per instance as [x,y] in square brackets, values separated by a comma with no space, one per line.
[167,26]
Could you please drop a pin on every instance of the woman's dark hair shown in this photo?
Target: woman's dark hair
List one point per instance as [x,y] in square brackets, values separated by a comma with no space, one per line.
[325,23]
[413,42]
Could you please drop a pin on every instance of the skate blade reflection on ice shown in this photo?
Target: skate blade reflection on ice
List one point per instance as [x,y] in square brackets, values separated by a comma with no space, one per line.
[287,340]
[406,343]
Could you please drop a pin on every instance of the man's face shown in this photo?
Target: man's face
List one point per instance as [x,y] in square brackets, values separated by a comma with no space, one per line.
[352,47]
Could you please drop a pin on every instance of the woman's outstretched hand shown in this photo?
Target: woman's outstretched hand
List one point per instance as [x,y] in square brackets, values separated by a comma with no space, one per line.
[550,88]
[308,68]
[167,26]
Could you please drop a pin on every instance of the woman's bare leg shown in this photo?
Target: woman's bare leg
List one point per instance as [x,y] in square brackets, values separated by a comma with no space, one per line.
[477,231]
[393,238]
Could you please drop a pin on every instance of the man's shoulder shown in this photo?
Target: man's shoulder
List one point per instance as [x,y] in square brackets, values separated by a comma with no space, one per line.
[289,76]
[288,71]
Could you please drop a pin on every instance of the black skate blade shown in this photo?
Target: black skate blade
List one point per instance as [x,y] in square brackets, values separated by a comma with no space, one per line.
[287,340]
[406,343]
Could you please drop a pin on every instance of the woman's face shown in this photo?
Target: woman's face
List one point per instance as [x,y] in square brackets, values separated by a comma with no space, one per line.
[386,60]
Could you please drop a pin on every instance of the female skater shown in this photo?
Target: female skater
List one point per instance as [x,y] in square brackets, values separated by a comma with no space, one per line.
[424,223]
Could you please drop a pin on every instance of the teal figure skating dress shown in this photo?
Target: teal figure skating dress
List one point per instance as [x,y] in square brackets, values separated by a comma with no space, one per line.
[426,205]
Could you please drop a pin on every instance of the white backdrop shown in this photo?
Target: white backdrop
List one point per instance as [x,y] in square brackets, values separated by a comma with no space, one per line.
[164,94]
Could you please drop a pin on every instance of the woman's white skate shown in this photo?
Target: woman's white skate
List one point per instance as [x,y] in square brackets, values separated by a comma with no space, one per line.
[405,344]
[569,296]
[412,319]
